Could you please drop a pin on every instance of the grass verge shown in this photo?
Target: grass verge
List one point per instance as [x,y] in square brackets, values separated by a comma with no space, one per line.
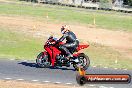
[66,14]
[103,56]
[17,45]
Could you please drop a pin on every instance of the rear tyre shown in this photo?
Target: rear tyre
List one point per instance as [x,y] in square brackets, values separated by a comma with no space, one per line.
[43,61]
[83,62]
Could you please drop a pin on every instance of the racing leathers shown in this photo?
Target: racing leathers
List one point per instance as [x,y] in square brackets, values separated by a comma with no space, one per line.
[71,43]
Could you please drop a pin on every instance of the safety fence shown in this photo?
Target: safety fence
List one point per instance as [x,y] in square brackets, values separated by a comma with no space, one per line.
[86,5]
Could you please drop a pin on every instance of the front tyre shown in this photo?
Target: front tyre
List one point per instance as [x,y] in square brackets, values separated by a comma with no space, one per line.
[83,62]
[42,60]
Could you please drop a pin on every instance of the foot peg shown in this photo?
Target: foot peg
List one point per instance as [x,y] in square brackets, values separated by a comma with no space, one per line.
[75,60]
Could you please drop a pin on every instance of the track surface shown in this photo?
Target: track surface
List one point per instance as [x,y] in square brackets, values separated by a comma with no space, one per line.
[27,70]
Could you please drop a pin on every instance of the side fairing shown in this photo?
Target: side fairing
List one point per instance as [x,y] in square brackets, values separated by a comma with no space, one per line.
[52,51]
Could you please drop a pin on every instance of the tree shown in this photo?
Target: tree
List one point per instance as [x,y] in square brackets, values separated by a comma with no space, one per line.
[105,4]
[128,2]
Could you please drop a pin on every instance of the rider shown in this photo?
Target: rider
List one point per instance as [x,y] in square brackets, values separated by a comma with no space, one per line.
[71,41]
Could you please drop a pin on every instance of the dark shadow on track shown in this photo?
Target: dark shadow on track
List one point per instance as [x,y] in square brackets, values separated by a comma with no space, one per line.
[36,66]
[29,64]
[62,68]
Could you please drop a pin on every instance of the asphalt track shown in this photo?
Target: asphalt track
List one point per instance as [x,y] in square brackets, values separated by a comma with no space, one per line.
[27,71]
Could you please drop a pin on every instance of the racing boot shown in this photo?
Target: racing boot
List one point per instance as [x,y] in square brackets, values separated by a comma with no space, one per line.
[75,59]
[72,58]
[65,62]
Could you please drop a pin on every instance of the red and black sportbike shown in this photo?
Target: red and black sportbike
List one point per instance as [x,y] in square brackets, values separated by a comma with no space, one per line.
[53,56]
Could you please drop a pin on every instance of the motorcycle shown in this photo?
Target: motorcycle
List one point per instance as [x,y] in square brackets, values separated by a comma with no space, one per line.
[53,57]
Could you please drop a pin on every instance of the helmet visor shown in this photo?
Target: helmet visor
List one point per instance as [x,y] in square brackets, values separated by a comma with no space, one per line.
[63,30]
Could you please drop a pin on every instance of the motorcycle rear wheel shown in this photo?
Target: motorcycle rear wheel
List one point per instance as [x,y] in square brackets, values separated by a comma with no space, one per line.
[83,62]
[43,61]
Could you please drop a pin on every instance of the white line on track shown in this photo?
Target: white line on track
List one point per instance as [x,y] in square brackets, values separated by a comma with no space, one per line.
[68,83]
[115,68]
[91,85]
[124,69]
[46,81]
[8,78]
[103,87]
[35,80]
[57,82]
[111,87]
[19,79]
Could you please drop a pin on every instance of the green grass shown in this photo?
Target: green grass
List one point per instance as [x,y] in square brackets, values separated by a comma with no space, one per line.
[18,46]
[112,21]
[103,56]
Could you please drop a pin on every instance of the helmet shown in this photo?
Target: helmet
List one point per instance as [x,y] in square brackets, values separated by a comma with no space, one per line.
[64,29]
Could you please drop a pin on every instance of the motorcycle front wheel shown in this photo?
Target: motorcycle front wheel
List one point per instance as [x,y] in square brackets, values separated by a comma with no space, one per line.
[83,62]
[43,61]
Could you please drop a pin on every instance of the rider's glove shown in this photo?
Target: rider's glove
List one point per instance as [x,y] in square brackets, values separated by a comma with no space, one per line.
[57,41]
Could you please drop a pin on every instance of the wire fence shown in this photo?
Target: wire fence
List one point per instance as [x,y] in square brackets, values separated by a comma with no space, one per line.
[88,5]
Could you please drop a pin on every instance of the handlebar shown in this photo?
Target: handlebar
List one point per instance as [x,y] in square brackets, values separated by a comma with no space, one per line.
[53,41]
